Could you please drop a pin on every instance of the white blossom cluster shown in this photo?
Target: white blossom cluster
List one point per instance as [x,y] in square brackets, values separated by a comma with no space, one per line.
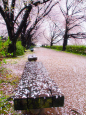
[35,82]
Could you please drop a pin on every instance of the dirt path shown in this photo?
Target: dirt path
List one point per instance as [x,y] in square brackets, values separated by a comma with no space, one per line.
[69,72]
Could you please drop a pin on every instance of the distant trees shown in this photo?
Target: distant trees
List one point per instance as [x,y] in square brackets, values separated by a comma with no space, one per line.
[55,33]
[16,27]
[73,12]
[40,12]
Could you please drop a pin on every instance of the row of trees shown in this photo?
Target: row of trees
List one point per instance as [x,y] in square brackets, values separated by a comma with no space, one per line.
[23,21]
[26,20]
[74,15]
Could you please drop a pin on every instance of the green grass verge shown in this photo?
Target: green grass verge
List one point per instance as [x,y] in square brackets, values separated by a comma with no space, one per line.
[8,83]
[75,49]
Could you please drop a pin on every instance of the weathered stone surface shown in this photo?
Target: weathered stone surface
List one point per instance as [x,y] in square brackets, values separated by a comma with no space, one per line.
[32,58]
[36,89]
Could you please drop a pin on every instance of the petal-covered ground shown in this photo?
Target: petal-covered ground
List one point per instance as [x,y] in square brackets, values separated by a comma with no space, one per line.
[69,72]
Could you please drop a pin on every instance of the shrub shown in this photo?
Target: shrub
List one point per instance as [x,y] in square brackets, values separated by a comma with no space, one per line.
[4,47]
[76,49]
[56,47]
[19,49]
[71,48]
[46,46]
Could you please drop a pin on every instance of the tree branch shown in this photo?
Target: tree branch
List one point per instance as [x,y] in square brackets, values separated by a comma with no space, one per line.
[4,16]
[24,19]
[50,9]
[5,3]
[45,36]
[59,40]
[20,13]
[63,12]
[78,35]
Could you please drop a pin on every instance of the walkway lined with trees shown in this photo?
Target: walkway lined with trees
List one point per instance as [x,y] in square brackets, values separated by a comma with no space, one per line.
[23,19]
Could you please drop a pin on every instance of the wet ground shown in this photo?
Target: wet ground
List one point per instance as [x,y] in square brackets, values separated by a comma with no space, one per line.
[69,72]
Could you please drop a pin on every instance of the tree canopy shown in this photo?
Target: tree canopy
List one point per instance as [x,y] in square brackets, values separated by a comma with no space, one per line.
[18,21]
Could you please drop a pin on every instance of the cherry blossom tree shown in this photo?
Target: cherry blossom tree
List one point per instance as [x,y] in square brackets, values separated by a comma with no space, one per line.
[16,25]
[73,12]
[40,12]
[55,33]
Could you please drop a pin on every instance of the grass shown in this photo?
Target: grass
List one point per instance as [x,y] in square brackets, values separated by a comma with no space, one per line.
[8,83]
[75,49]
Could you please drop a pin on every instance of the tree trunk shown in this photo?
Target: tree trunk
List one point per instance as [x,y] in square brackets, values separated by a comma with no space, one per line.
[23,40]
[64,44]
[65,40]
[28,42]
[14,48]
[51,44]
[29,39]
